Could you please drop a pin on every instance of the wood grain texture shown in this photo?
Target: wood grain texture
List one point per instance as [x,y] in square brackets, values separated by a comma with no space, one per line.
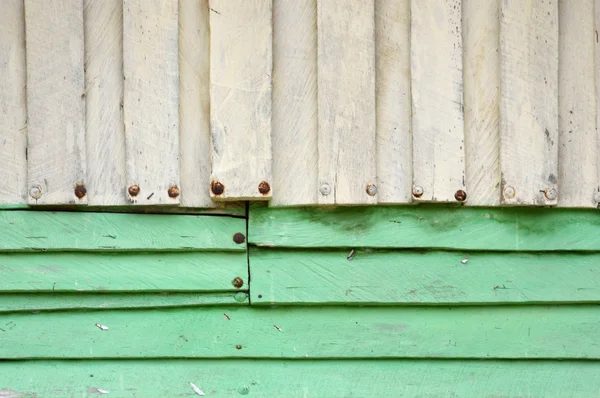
[529,101]
[405,277]
[240,97]
[305,332]
[481,40]
[437,99]
[295,122]
[121,272]
[578,137]
[346,97]
[194,103]
[428,227]
[20,302]
[13,106]
[105,133]
[55,100]
[394,139]
[50,231]
[333,378]
[150,62]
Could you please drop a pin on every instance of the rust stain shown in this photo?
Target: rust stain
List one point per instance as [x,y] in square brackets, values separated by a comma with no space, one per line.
[460,195]
[217,188]
[239,238]
[134,190]
[173,192]
[237,282]
[264,188]
[80,191]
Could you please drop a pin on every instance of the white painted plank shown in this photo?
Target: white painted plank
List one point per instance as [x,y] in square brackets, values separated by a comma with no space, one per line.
[437,100]
[55,101]
[346,101]
[105,134]
[194,103]
[240,98]
[481,32]
[150,62]
[578,162]
[597,86]
[295,126]
[394,140]
[13,109]
[529,101]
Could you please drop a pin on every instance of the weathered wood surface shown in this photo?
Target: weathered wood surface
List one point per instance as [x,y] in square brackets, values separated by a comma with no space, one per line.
[295,123]
[13,106]
[529,46]
[34,231]
[346,98]
[121,272]
[151,114]
[240,98]
[331,378]
[427,227]
[481,32]
[305,332]
[56,157]
[437,101]
[104,134]
[393,98]
[407,277]
[20,302]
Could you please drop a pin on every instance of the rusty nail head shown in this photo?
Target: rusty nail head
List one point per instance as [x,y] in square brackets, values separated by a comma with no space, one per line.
[239,238]
[217,188]
[325,189]
[80,191]
[417,191]
[134,190]
[237,282]
[35,192]
[460,195]
[371,189]
[509,192]
[264,188]
[173,191]
[551,194]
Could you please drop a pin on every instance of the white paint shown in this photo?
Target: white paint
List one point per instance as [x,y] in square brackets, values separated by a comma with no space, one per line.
[197,389]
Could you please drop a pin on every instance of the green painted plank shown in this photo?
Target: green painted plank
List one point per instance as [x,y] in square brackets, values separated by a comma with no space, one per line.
[273,378]
[113,272]
[409,277]
[531,229]
[73,231]
[104,301]
[303,332]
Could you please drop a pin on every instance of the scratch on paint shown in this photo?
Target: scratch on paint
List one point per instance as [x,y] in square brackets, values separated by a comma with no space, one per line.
[278,328]
[197,389]
[101,327]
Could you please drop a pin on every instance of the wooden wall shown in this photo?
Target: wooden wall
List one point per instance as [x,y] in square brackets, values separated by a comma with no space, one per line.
[300,102]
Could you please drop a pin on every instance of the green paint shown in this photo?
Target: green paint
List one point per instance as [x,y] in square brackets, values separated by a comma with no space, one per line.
[409,277]
[71,231]
[566,332]
[105,301]
[158,271]
[521,229]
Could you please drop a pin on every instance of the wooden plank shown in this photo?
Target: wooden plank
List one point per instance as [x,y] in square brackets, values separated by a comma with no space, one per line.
[307,332]
[194,103]
[529,102]
[407,277]
[105,134]
[437,101]
[121,272]
[481,30]
[346,98]
[429,227]
[331,378]
[240,98]
[578,140]
[295,122]
[55,102]
[105,301]
[394,140]
[597,87]
[52,231]
[13,106]
[150,62]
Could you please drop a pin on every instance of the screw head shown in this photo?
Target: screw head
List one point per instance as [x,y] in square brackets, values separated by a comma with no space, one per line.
[460,195]
[371,189]
[509,192]
[134,190]
[551,193]
[264,188]
[173,192]
[237,282]
[239,238]
[325,189]
[35,192]
[217,188]
[417,191]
